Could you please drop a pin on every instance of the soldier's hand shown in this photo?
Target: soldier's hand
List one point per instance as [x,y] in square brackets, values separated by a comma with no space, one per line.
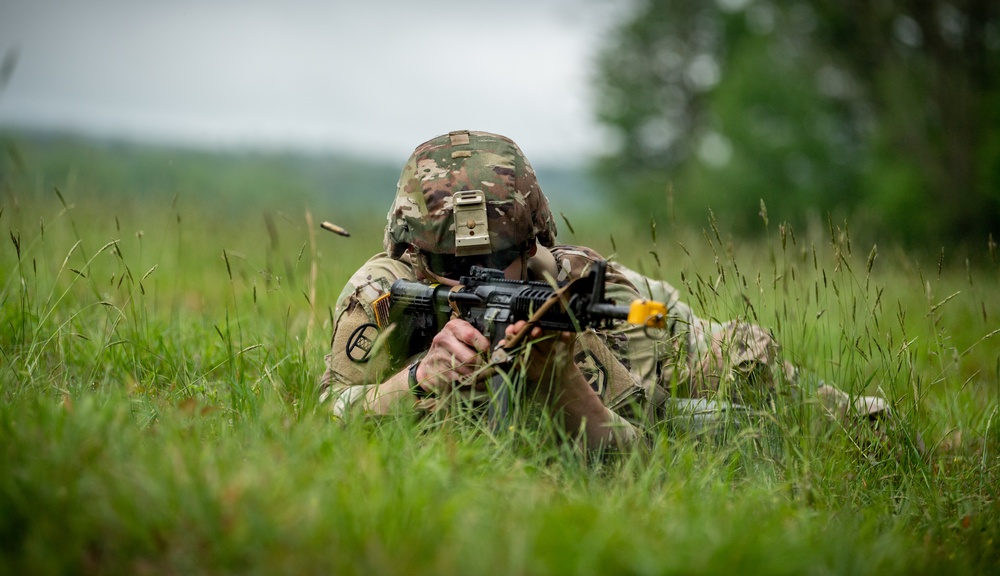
[456,352]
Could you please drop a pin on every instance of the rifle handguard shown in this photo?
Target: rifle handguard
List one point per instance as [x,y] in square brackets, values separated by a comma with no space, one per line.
[646,313]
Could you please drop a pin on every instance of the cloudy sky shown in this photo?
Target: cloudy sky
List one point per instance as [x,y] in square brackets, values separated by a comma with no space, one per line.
[371,77]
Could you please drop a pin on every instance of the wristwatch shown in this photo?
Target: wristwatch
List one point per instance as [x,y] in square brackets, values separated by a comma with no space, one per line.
[419,391]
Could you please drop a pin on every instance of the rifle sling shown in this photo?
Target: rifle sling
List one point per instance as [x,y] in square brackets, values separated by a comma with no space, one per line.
[455,310]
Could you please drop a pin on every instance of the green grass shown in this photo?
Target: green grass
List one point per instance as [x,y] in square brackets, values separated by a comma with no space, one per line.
[158,369]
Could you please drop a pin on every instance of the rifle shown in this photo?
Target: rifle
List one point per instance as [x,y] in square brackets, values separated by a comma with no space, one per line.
[490,302]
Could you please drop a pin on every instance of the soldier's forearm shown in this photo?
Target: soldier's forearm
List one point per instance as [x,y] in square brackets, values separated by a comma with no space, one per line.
[584,416]
[382,399]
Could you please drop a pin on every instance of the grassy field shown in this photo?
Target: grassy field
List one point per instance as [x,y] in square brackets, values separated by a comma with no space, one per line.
[160,351]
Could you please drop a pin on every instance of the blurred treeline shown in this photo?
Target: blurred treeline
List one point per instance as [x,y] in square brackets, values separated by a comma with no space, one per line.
[334,185]
[885,113]
[110,171]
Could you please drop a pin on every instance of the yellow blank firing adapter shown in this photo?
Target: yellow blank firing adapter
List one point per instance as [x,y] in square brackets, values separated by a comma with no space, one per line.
[648,313]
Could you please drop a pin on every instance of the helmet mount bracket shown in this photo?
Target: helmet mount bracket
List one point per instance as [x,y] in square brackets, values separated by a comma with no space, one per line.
[472,235]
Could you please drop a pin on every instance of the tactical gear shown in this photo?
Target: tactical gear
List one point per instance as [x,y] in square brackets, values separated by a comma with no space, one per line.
[468,194]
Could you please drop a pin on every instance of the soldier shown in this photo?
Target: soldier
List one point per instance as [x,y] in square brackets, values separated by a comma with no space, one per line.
[580,378]
[601,385]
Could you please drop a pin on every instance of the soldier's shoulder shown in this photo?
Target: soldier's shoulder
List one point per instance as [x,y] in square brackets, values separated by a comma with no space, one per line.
[572,261]
[561,251]
[576,261]
[374,278]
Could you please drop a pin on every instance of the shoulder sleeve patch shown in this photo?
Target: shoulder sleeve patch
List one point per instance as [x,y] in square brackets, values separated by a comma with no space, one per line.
[361,342]
[593,371]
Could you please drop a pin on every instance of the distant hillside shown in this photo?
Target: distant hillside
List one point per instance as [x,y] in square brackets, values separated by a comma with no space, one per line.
[110,169]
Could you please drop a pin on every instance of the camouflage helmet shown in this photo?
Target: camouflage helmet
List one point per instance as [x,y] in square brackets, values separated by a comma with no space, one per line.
[468,193]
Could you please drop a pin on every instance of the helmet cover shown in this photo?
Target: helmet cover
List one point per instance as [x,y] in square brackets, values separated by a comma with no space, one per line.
[479,178]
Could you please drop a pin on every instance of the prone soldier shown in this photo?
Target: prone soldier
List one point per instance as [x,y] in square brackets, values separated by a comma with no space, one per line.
[469,199]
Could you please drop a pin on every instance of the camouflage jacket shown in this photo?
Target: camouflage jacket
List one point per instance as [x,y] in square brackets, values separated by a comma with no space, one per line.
[627,366]
[620,364]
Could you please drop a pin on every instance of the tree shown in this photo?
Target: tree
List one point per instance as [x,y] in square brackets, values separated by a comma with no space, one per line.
[930,70]
[885,111]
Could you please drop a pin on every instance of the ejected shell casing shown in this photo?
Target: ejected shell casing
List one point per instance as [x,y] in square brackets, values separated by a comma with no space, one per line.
[334,228]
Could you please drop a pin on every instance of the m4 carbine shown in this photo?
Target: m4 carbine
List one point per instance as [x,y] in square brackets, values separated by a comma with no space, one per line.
[490,302]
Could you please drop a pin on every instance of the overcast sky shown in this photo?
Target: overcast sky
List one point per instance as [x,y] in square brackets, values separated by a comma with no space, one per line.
[370,77]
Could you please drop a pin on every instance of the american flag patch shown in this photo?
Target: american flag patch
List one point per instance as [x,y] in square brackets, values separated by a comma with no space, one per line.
[381,308]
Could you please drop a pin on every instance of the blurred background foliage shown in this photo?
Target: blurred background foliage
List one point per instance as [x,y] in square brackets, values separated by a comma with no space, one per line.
[882,112]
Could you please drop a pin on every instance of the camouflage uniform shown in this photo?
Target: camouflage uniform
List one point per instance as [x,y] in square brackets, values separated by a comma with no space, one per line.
[627,366]
[700,359]
[737,362]
[513,217]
